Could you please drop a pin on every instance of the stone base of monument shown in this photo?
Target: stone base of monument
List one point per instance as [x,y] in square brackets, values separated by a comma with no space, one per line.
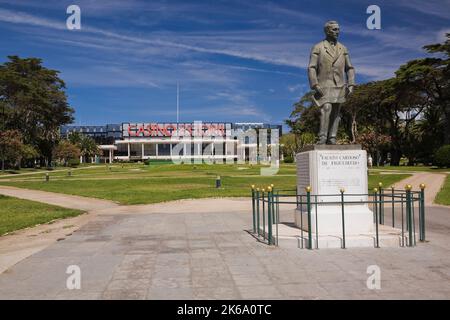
[358,219]
[292,237]
[328,170]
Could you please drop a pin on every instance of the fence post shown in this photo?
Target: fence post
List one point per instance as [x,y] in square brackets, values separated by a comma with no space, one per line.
[257,210]
[422,212]
[381,198]
[375,193]
[253,208]
[408,188]
[273,203]
[269,214]
[264,212]
[343,219]
[393,214]
[308,207]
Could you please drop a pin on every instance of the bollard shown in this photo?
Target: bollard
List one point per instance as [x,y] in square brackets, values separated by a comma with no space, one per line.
[343,219]
[218,182]
[408,188]
[47,177]
[375,192]
[308,207]
[422,213]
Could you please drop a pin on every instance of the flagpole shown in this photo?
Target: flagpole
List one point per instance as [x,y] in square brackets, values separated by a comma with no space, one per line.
[178,102]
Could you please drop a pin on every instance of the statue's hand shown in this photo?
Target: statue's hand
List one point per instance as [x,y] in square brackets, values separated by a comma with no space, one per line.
[318,89]
[350,90]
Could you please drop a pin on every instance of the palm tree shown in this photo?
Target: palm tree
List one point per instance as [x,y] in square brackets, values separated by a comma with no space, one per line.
[88,147]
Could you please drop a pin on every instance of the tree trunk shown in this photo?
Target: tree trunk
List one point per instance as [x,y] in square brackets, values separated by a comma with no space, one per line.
[395,157]
[447,125]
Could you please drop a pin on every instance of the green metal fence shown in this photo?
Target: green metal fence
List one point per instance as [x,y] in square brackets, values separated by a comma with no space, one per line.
[266,207]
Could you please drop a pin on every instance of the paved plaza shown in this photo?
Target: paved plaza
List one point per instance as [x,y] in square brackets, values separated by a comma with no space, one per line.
[200,249]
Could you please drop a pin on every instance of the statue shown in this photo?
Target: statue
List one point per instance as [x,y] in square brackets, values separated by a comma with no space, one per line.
[329,65]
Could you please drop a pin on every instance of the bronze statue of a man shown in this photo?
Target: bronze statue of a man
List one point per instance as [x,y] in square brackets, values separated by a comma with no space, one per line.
[332,77]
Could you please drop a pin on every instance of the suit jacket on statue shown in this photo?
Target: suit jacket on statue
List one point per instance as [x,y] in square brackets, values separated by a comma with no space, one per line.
[329,68]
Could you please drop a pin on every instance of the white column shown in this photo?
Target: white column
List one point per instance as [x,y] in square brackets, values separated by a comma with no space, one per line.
[156,147]
[142,151]
[129,151]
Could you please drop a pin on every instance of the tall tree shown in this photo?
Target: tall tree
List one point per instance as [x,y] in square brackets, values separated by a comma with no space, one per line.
[430,77]
[11,146]
[33,101]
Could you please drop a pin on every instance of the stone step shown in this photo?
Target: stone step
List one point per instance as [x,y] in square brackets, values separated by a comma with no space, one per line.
[292,237]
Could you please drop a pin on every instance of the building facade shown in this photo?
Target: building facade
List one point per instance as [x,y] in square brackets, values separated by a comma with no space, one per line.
[180,141]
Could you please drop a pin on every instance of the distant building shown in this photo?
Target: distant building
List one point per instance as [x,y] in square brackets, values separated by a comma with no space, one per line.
[165,141]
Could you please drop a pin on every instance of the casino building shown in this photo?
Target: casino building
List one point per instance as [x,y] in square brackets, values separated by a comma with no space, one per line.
[184,141]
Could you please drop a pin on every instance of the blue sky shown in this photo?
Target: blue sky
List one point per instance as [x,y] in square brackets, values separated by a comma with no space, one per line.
[237,61]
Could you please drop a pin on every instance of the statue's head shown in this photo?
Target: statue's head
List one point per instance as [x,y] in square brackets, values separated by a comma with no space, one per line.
[331,29]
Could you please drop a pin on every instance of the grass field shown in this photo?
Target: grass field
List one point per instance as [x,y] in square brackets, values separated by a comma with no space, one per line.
[412,168]
[17,214]
[443,197]
[140,184]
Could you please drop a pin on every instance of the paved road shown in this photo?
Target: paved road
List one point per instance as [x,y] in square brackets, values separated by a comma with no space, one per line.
[199,249]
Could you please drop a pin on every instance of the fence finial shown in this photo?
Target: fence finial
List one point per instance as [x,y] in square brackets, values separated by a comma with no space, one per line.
[308,189]
[408,187]
[422,186]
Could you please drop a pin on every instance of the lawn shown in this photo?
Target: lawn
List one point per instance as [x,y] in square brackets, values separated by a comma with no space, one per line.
[443,197]
[17,214]
[410,169]
[140,184]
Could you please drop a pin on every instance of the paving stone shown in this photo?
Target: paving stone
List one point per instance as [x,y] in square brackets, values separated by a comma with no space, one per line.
[166,255]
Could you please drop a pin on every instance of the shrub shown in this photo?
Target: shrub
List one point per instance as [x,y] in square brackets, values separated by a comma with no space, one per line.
[73,162]
[288,159]
[442,156]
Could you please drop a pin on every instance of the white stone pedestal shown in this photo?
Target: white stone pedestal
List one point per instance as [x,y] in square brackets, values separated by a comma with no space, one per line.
[328,169]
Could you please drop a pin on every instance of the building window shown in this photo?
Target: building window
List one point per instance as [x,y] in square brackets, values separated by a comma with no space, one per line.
[150,150]
[164,149]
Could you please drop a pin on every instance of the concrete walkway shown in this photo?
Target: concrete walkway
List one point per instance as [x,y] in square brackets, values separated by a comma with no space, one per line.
[24,243]
[58,199]
[200,249]
[433,183]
